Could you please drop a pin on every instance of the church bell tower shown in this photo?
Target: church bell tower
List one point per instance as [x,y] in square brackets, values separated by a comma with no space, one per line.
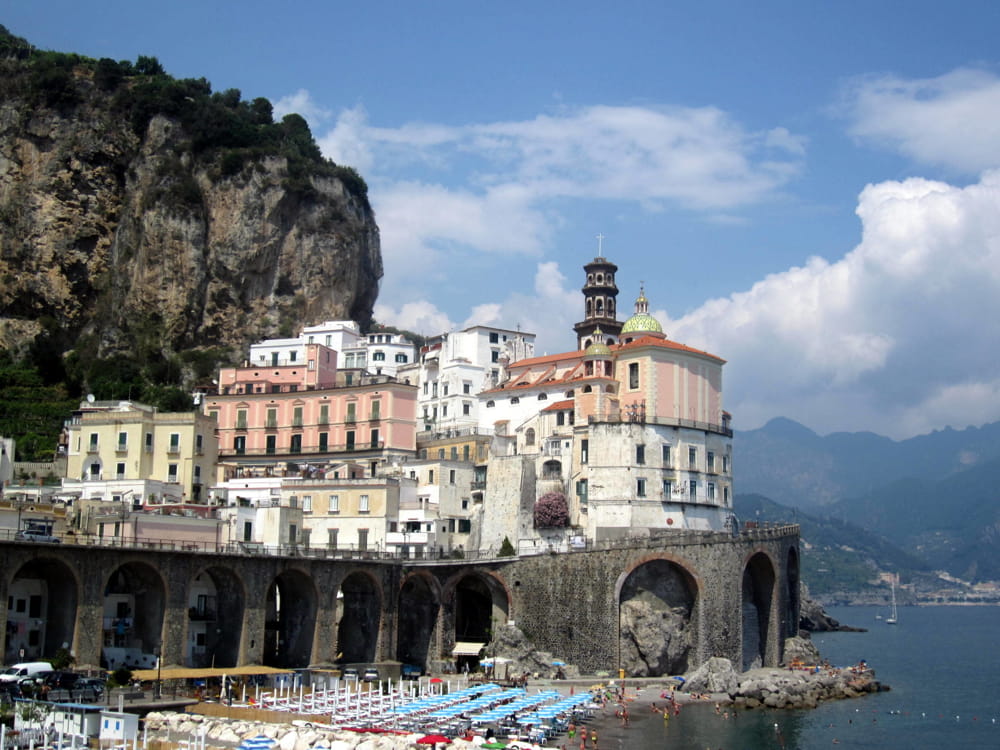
[600,308]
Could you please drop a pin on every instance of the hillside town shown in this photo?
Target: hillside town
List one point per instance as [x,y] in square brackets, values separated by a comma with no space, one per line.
[336,440]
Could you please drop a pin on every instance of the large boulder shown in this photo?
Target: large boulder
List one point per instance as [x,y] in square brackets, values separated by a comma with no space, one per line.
[717,675]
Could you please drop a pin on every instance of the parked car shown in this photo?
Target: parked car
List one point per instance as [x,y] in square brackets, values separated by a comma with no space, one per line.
[93,685]
[36,535]
[62,680]
[19,672]
[411,671]
[349,673]
[370,675]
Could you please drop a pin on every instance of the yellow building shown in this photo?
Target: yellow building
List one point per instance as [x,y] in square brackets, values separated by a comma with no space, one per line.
[116,449]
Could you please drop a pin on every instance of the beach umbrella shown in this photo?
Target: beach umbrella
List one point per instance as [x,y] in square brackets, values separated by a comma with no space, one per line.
[433,739]
[436,680]
[558,663]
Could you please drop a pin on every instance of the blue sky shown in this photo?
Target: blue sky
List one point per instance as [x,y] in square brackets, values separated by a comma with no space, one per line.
[805,189]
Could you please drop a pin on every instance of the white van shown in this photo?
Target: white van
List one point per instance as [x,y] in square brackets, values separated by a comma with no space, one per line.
[26,669]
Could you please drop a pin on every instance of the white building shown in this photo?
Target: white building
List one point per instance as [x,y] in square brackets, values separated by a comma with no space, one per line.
[379,353]
[455,367]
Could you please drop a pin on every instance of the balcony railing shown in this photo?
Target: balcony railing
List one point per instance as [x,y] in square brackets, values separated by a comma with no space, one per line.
[669,421]
[305,450]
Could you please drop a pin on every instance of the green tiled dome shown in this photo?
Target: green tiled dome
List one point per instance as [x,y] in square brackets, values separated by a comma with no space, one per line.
[642,323]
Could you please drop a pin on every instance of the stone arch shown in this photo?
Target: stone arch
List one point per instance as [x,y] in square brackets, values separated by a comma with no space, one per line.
[658,618]
[793,602]
[479,603]
[50,592]
[216,607]
[290,620]
[135,597]
[419,606]
[757,608]
[359,616]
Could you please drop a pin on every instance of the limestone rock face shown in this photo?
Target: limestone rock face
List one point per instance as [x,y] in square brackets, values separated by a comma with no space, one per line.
[655,640]
[135,238]
[802,650]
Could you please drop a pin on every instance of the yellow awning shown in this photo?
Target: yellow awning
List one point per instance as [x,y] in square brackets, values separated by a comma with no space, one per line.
[467,648]
[191,673]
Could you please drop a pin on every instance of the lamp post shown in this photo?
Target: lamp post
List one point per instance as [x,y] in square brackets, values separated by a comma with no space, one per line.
[157,692]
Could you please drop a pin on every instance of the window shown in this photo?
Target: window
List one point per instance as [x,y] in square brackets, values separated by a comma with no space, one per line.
[333,502]
[665,450]
[693,487]
[271,444]
[710,490]
[297,416]
[331,538]
[465,452]
[454,453]
[640,487]
[633,375]
[123,441]
[293,501]
[543,397]
[312,364]
[440,452]
[171,472]
[175,442]
[350,440]
[430,477]
[363,504]
[560,418]
[692,458]
[529,436]
[710,461]
[466,408]
[515,400]
[324,414]
[451,476]
[378,356]
[725,496]
[464,526]
[352,412]
[296,444]
[374,438]
[241,419]
[667,488]
[401,358]
[292,355]
[495,355]
[120,471]
[272,418]
[240,444]
[307,504]
[444,389]
[376,410]
[324,441]
[494,337]
[640,454]
[584,451]
[149,442]
[581,491]
[466,386]
[362,539]
[725,464]
[93,441]
[292,530]
[490,404]
[199,443]
[197,475]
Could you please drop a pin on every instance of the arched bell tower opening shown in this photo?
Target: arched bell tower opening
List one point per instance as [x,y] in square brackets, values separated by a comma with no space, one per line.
[600,294]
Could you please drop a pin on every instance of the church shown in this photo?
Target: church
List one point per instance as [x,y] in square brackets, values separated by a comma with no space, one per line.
[629,429]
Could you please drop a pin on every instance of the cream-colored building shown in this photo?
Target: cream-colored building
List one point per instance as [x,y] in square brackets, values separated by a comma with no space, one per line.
[129,452]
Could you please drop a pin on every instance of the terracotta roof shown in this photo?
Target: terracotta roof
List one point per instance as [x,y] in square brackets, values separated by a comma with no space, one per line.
[560,405]
[664,344]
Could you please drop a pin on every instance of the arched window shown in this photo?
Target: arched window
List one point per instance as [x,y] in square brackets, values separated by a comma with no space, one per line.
[529,436]
[490,404]
[542,397]
[515,400]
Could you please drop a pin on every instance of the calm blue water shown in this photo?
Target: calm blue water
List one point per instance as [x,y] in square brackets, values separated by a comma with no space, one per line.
[942,664]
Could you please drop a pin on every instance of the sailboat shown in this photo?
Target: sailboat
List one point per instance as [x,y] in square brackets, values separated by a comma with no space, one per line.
[892,619]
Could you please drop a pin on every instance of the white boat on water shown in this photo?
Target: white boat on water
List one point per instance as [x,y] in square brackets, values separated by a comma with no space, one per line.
[893,618]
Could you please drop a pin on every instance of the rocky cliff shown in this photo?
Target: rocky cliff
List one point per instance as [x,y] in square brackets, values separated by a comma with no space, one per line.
[141,211]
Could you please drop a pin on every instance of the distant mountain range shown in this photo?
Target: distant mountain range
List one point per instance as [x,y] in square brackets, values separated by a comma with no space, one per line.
[869,503]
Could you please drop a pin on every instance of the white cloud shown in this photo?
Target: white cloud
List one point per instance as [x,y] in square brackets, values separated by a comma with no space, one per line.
[302,103]
[898,336]
[952,120]
[445,194]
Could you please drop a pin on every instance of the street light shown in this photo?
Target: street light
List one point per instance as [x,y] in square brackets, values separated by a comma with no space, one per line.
[157,692]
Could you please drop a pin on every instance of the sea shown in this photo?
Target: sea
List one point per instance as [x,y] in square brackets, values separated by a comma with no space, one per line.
[942,664]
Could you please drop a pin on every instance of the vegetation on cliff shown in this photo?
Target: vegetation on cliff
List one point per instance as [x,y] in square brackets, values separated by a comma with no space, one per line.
[151,228]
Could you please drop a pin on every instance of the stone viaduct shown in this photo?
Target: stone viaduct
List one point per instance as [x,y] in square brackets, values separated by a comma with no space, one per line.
[656,605]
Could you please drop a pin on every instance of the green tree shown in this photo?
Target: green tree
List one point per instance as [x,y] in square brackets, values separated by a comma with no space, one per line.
[506,548]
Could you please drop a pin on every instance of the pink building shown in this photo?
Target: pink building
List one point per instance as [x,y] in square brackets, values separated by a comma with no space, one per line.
[310,413]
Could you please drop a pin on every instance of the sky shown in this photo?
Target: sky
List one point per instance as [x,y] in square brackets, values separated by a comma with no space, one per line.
[810,191]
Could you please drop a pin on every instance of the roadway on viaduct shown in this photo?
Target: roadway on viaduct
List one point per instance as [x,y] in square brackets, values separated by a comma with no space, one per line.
[726,595]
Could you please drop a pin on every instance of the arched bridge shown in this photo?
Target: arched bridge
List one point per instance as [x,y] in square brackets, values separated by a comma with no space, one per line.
[652,606]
